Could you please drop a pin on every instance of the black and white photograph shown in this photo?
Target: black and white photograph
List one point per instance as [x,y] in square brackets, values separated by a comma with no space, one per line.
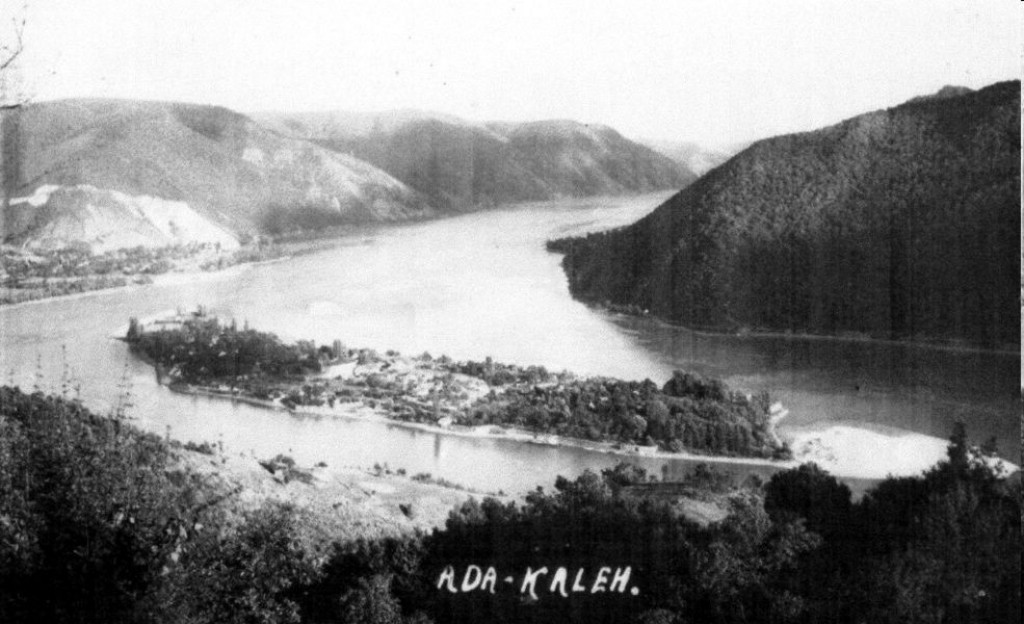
[408,312]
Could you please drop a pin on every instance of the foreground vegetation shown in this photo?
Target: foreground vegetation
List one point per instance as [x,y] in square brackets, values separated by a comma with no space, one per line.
[96,525]
[687,413]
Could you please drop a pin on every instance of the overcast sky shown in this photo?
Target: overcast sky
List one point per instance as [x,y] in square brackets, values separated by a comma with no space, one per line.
[714,72]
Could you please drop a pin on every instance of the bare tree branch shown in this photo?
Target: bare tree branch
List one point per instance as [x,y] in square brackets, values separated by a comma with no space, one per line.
[12,45]
[10,52]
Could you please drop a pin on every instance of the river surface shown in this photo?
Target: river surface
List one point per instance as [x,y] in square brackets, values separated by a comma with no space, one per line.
[483,285]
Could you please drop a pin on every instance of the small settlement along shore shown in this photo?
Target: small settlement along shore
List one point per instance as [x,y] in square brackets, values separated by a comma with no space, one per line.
[30,276]
[690,418]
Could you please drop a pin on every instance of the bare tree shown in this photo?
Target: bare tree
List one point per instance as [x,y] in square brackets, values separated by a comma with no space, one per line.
[12,97]
[12,44]
[9,52]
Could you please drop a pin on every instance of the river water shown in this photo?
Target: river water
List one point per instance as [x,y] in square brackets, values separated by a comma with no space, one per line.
[483,285]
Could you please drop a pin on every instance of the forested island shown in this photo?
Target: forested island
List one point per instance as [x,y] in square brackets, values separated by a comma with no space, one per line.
[688,413]
[101,522]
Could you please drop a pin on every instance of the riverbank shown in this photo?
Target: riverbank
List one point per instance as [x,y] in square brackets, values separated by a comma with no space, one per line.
[954,346]
[71,273]
[844,451]
[133,282]
[361,412]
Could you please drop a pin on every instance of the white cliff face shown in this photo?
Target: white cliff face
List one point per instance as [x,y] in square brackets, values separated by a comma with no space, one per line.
[327,179]
[57,216]
[38,198]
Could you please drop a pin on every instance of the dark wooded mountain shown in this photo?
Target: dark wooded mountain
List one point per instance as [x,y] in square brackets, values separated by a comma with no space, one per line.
[117,173]
[461,165]
[900,223]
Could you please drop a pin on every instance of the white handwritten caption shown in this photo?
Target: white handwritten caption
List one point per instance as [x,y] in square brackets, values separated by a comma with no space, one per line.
[556,582]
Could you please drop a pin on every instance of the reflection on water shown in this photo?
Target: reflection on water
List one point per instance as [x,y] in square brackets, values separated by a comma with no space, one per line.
[476,286]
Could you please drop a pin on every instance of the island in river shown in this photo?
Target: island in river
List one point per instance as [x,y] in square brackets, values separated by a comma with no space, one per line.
[688,414]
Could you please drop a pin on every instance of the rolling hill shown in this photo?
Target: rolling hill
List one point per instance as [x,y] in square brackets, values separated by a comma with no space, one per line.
[900,223]
[462,165]
[113,173]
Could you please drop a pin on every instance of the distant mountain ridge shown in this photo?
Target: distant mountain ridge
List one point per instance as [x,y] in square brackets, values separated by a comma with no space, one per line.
[348,124]
[116,172]
[694,156]
[900,223]
[461,165]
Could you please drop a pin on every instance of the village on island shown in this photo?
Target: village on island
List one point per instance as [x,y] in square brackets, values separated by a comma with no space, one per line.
[196,353]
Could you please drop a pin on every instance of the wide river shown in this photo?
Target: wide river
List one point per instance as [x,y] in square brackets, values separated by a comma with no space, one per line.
[483,285]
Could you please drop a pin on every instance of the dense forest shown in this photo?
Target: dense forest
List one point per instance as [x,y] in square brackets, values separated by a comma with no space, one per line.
[687,413]
[203,350]
[942,547]
[97,524]
[901,223]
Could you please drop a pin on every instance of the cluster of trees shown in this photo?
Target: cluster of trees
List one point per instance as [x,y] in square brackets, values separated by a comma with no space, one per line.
[280,221]
[87,519]
[45,288]
[203,351]
[498,374]
[894,224]
[253,249]
[941,547]
[98,525]
[689,412]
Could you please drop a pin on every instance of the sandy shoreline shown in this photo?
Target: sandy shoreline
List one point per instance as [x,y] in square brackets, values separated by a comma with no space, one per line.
[842,450]
[358,411]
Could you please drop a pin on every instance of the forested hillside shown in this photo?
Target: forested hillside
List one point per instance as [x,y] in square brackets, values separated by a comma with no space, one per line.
[901,223]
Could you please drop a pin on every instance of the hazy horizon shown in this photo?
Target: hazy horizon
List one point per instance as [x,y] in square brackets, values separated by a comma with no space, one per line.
[685,72]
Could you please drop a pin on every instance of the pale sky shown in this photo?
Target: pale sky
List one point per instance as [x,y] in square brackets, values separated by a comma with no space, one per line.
[710,71]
